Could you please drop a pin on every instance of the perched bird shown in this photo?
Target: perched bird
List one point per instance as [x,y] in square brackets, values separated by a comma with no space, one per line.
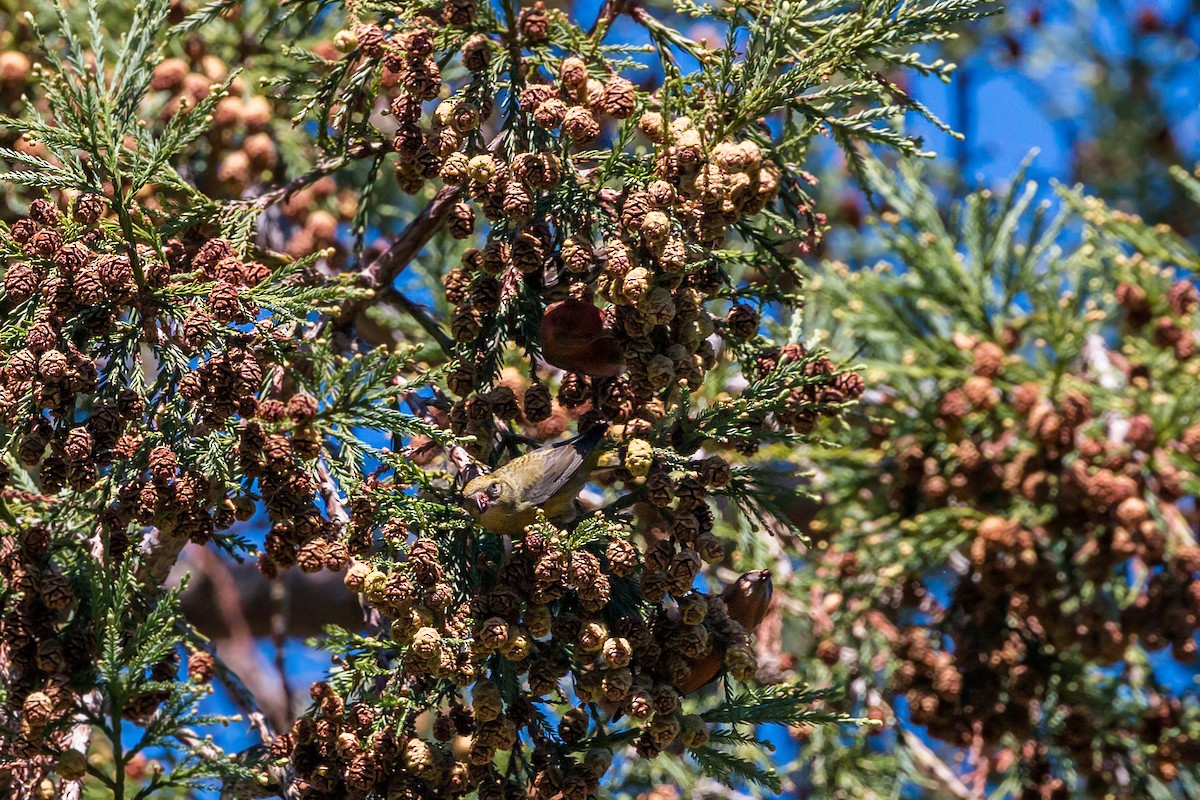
[747,599]
[574,338]
[549,478]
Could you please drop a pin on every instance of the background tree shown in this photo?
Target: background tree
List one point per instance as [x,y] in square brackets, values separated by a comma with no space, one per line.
[199,329]
[1005,555]
[1113,83]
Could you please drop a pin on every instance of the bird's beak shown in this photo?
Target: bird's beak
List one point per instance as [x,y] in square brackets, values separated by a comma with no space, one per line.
[757,576]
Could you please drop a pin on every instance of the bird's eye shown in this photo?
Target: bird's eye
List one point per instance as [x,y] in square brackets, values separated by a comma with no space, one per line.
[493,491]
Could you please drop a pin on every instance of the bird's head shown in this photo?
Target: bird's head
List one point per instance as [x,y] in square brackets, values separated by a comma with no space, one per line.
[482,493]
[749,597]
[757,581]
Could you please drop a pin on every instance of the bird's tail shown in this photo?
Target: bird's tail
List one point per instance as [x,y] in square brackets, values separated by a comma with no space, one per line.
[592,436]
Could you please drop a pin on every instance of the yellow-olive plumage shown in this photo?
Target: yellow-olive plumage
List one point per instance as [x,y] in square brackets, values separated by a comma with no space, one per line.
[506,501]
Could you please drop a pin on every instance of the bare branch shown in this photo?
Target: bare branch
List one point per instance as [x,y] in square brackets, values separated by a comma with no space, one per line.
[421,316]
[325,166]
[936,770]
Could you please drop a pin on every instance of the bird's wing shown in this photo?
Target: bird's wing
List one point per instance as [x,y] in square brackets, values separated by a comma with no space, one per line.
[556,466]
[705,670]
[559,463]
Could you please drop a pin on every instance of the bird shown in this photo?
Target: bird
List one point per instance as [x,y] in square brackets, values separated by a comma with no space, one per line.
[747,600]
[574,338]
[507,500]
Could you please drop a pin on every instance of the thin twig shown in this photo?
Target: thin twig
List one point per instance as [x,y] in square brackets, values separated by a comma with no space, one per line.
[384,268]
[159,553]
[336,510]
[325,166]
[421,316]
[79,739]
[314,600]
[609,10]
[466,466]
[242,697]
[279,628]
[241,643]
[333,500]
[935,769]
[225,592]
